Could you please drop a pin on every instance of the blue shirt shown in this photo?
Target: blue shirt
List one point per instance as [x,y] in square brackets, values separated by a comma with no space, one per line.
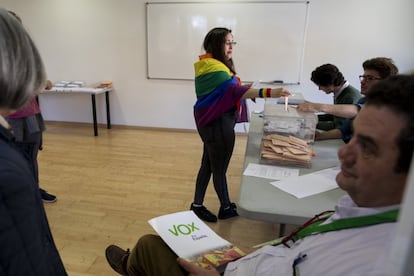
[346,128]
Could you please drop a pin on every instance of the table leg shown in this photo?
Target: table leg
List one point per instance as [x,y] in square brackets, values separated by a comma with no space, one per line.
[95,123]
[108,114]
[282,228]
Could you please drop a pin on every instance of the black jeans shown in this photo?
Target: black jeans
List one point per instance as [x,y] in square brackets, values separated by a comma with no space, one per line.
[218,138]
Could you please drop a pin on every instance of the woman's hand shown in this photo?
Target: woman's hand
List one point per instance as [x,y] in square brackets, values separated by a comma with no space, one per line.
[280,92]
[195,270]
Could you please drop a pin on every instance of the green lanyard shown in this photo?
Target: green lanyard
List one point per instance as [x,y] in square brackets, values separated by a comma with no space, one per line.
[346,223]
[313,226]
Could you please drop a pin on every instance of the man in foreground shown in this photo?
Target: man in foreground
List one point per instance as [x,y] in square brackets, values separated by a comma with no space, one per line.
[356,238]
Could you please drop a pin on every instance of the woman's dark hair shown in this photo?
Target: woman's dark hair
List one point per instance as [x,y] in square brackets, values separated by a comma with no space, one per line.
[214,44]
[384,66]
[397,93]
[327,74]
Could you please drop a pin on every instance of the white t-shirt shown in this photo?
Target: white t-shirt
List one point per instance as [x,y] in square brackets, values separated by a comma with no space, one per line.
[355,251]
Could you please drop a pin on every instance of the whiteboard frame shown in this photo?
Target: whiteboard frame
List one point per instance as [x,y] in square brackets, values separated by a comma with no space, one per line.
[302,52]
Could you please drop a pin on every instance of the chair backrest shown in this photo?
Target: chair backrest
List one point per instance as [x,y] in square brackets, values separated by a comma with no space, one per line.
[402,252]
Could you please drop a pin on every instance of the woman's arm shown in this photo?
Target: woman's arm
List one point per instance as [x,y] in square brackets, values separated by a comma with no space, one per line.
[253,93]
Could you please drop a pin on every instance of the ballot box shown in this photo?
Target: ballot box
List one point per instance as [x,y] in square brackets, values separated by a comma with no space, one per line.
[288,135]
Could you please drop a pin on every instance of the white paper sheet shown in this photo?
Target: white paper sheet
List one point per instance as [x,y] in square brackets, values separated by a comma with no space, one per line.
[309,184]
[271,172]
[186,234]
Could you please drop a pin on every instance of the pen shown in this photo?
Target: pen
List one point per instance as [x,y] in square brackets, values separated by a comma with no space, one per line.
[300,258]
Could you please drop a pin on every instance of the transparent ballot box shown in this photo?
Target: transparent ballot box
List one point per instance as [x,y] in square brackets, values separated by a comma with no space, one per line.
[279,119]
[287,136]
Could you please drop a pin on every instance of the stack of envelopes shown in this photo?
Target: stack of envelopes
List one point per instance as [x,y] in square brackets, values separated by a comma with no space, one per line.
[287,150]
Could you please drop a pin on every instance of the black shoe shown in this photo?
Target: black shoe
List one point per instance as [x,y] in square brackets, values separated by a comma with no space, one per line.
[117,258]
[203,213]
[229,212]
[46,197]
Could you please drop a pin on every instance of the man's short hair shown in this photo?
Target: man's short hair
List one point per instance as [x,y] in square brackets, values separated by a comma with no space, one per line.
[397,94]
[327,74]
[384,66]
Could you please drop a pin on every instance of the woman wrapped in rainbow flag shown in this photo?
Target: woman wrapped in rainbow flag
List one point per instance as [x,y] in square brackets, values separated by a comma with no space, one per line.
[220,104]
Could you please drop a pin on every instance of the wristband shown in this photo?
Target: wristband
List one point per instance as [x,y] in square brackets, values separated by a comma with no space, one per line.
[268,92]
[265,92]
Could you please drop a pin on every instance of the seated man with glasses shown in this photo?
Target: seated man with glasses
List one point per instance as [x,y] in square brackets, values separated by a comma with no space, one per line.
[357,237]
[375,69]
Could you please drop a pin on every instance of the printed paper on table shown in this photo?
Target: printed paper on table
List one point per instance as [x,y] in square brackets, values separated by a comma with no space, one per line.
[191,239]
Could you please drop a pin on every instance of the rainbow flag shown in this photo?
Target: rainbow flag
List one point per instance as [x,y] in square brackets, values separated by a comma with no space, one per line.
[217,90]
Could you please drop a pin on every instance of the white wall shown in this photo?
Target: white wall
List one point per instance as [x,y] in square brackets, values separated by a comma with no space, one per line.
[94,40]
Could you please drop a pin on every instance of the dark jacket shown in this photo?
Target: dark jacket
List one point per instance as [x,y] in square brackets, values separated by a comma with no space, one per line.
[346,128]
[26,243]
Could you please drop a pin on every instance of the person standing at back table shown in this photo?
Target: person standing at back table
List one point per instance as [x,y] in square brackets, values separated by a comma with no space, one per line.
[216,111]
[28,126]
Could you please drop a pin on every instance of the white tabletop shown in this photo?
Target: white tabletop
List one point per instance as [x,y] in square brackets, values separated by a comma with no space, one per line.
[260,200]
[85,90]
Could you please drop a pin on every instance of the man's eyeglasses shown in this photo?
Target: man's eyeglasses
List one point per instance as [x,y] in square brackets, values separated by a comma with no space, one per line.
[368,78]
[230,43]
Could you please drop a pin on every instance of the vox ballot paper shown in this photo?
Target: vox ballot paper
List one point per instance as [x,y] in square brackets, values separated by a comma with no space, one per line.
[191,239]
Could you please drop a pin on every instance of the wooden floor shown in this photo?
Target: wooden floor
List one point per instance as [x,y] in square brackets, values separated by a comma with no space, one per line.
[109,186]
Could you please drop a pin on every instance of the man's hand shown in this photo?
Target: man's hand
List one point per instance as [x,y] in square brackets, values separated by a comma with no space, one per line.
[309,107]
[330,134]
[195,270]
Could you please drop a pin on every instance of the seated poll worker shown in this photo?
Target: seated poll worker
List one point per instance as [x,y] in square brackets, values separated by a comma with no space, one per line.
[375,69]
[330,80]
[356,238]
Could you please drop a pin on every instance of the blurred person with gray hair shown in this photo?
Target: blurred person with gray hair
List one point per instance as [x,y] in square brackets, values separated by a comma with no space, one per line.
[28,126]
[26,242]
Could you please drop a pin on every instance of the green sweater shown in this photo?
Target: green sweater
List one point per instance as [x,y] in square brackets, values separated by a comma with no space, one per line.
[350,95]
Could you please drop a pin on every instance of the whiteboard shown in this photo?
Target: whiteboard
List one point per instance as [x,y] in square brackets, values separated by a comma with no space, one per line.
[270,37]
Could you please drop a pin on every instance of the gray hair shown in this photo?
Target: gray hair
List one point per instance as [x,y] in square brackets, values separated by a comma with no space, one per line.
[22,74]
